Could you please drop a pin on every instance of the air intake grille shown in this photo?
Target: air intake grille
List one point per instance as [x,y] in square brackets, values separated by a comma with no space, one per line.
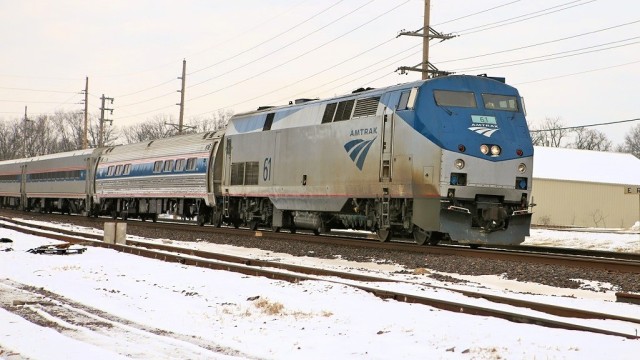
[366,107]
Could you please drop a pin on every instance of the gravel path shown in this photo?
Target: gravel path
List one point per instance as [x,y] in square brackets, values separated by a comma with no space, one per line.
[552,275]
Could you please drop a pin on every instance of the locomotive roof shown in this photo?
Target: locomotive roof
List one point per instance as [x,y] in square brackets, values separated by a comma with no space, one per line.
[356,94]
[585,166]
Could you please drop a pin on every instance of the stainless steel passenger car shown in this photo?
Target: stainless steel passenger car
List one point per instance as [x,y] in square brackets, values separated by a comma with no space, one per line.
[57,182]
[172,176]
[11,183]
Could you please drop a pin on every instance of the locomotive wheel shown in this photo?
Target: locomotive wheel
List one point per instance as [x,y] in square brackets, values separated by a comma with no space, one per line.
[384,235]
[420,236]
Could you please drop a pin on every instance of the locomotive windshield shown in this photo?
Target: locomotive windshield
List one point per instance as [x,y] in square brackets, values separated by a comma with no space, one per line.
[500,102]
[454,98]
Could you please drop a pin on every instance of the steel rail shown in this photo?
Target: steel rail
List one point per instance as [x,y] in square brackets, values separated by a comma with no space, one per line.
[588,262]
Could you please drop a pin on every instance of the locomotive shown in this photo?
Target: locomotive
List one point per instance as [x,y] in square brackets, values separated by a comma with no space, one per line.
[448,158]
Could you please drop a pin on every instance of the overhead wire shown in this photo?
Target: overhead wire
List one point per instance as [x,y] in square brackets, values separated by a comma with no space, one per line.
[578,73]
[540,43]
[535,13]
[282,47]
[271,38]
[586,126]
[552,56]
[301,55]
[201,51]
[252,48]
[322,71]
[493,8]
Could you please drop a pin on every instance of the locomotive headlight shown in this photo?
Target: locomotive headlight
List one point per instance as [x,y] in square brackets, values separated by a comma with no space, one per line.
[484,149]
[495,150]
[459,164]
[522,168]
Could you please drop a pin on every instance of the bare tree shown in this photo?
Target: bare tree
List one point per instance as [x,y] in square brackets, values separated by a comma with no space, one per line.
[10,140]
[157,128]
[212,123]
[631,142]
[588,139]
[550,134]
[40,136]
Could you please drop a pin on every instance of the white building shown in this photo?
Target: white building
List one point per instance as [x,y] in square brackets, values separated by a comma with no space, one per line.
[583,188]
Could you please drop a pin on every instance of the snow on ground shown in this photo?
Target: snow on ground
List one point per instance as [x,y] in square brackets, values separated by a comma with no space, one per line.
[619,240]
[310,320]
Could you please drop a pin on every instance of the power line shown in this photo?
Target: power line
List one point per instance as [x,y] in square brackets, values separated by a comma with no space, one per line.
[477,13]
[586,126]
[551,56]
[301,55]
[282,47]
[577,73]
[328,68]
[260,58]
[210,47]
[274,37]
[541,43]
[536,14]
[37,90]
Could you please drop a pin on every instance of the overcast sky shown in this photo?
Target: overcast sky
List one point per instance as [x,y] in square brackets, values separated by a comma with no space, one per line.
[243,54]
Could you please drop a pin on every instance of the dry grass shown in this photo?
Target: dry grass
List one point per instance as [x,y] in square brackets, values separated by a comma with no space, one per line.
[268,307]
[420,271]
[68,267]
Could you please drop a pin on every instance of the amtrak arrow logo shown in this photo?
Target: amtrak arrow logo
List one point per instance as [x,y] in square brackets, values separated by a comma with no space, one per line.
[358,149]
[483,130]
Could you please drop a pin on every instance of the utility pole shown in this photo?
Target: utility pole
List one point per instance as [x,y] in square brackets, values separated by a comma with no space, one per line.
[427,69]
[24,133]
[86,113]
[181,91]
[102,119]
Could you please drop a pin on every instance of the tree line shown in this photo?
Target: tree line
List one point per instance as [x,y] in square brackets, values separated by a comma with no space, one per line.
[553,133]
[64,131]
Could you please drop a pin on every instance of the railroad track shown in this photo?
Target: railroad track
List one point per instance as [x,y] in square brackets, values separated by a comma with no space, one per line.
[515,310]
[589,259]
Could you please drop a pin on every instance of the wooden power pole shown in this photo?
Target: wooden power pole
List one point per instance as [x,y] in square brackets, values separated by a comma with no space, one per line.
[103,120]
[425,67]
[183,77]
[85,144]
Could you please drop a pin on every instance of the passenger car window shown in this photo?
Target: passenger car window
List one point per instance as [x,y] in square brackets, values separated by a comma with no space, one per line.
[180,164]
[191,164]
[454,98]
[500,102]
[110,170]
[168,165]
[157,166]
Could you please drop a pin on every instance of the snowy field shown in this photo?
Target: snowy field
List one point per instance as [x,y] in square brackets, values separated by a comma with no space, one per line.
[223,315]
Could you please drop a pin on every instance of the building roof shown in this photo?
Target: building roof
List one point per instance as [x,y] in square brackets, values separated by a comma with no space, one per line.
[585,165]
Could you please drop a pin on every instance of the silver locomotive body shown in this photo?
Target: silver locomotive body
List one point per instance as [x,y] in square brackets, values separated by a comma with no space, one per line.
[383,160]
